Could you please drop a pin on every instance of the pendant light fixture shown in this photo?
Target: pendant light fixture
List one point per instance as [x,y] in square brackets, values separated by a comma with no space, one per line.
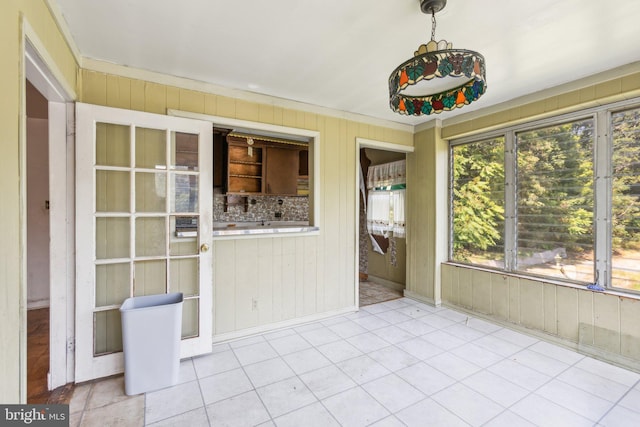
[438,78]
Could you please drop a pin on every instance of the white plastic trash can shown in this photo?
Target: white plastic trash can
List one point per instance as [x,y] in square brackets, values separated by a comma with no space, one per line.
[151,329]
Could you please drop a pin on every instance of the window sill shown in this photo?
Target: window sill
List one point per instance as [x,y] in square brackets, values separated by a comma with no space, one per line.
[551,281]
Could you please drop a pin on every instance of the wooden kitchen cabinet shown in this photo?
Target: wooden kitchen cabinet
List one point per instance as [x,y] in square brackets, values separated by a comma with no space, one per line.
[244,167]
[263,167]
[282,171]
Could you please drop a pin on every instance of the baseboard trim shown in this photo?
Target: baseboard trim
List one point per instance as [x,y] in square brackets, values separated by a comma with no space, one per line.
[286,324]
[388,283]
[421,298]
[587,350]
[34,305]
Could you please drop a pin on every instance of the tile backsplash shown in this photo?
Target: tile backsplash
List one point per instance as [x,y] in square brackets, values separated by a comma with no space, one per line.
[293,208]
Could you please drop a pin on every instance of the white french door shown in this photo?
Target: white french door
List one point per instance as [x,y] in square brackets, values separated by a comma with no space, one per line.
[144,206]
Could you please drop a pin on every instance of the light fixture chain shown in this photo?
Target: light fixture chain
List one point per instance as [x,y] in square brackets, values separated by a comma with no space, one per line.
[433,25]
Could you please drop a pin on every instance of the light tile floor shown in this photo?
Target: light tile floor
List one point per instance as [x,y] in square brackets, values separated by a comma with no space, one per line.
[391,364]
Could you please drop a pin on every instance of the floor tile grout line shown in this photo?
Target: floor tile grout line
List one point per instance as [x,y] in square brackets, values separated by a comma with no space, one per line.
[180,413]
[204,404]
[86,402]
[534,391]
[426,396]
[297,375]
[395,344]
[144,409]
[529,392]
[255,390]
[615,405]
[391,344]
[335,364]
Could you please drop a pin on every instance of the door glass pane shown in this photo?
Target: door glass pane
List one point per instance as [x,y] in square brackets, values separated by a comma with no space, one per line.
[107,336]
[184,151]
[112,238]
[150,277]
[112,284]
[112,191]
[150,237]
[190,318]
[151,192]
[184,193]
[184,239]
[113,145]
[184,276]
[151,148]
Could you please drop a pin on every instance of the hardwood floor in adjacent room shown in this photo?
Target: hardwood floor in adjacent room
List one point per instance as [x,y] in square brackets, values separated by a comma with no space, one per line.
[38,361]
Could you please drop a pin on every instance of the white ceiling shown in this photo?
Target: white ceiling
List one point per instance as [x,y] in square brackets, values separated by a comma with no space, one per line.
[339,53]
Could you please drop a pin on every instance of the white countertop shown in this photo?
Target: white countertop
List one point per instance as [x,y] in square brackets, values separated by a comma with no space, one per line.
[262,227]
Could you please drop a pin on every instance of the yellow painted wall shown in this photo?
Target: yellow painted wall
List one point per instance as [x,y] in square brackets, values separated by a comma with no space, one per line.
[379,265]
[12,357]
[591,95]
[289,277]
[427,205]
[599,324]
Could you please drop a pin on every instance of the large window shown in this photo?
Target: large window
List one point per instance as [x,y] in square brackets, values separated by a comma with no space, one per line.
[625,196]
[556,200]
[478,202]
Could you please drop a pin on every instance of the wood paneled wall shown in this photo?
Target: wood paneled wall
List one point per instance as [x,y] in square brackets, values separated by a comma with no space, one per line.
[263,281]
[603,325]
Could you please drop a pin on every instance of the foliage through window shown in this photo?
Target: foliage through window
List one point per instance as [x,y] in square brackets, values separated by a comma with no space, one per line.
[554,201]
[625,208]
[558,201]
[478,202]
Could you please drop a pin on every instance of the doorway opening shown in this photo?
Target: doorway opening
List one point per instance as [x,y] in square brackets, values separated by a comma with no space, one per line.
[47,153]
[37,155]
[381,253]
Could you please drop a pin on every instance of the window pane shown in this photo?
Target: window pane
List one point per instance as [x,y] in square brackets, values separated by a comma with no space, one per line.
[151,192]
[190,317]
[112,191]
[113,237]
[554,200]
[184,235]
[107,336]
[184,151]
[113,147]
[151,148]
[150,236]
[625,209]
[184,276]
[478,203]
[150,277]
[112,283]
[183,193]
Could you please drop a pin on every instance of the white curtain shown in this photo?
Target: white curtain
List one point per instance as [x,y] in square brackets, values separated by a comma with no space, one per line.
[387,174]
[398,213]
[385,213]
[378,213]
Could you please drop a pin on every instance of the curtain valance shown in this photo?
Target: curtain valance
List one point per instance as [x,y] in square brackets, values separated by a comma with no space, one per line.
[387,174]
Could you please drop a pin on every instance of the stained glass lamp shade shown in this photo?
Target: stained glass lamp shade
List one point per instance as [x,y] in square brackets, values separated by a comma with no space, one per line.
[438,78]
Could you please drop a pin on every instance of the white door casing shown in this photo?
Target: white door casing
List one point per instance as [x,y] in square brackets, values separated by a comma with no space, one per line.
[145,225]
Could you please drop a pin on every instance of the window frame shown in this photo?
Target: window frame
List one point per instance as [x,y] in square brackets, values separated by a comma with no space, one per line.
[602,187]
[312,137]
